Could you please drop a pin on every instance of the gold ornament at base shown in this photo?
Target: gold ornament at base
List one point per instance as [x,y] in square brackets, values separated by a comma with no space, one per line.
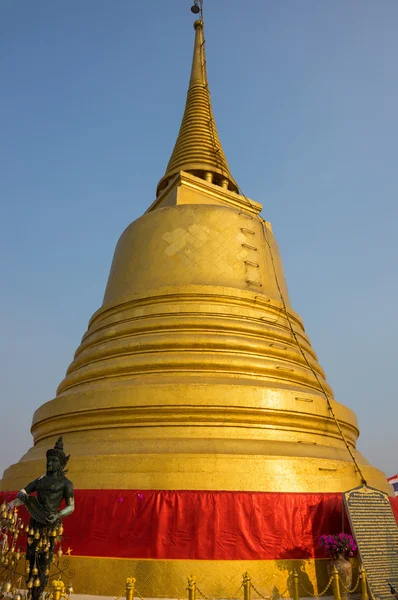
[6,588]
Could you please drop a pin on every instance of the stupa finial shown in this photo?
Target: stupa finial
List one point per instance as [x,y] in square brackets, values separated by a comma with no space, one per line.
[198,148]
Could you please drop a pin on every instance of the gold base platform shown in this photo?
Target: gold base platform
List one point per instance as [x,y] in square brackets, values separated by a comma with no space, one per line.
[215,579]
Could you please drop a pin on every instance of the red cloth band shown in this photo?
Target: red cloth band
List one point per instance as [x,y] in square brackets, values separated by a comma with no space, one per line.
[202,524]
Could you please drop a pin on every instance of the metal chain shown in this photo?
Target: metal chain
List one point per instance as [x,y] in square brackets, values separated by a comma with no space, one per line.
[226,597]
[327,587]
[282,595]
[322,388]
[309,365]
[311,593]
[235,596]
[305,589]
[259,593]
[347,589]
[202,594]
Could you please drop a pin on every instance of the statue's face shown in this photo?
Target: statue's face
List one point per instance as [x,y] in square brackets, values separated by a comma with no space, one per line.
[53,464]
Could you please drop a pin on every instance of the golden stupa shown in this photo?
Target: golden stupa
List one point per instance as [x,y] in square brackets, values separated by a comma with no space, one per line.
[195,373]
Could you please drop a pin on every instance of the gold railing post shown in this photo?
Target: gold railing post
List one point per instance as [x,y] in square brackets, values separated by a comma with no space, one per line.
[191,587]
[364,584]
[246,586]
[58,589]
[296,595]
[130,583]
[336,584]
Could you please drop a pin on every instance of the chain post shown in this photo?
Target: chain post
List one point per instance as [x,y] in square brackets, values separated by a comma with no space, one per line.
[58,589]
[246,586]
[57,594]
[336,584]
[191,587]
[130,584]
[364,584]
[296,595]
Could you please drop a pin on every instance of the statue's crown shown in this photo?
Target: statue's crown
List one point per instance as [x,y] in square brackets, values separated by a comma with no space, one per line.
[58,451]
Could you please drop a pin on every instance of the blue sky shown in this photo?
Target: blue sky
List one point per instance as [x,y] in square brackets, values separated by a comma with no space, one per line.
[305,97]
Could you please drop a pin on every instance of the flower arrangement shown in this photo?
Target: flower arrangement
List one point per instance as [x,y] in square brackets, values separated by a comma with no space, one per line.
[339,543]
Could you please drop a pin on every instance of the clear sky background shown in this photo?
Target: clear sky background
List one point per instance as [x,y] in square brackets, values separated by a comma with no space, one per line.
[305,96]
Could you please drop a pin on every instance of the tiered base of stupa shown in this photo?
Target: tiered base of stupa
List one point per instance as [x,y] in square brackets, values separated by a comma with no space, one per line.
[161,537]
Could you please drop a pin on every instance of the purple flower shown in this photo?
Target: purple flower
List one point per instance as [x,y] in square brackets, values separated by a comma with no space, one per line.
[339,543]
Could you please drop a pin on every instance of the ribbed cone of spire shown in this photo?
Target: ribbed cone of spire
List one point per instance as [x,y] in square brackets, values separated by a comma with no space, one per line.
[198,148]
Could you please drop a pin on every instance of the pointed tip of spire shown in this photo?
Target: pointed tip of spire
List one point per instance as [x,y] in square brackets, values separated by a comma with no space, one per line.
[198,70]
[198,148]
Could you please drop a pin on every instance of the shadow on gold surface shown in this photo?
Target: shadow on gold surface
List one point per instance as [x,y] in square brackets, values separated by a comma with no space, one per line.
[216,579]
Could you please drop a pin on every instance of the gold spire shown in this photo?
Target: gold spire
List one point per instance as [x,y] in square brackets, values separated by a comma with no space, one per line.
[198,149]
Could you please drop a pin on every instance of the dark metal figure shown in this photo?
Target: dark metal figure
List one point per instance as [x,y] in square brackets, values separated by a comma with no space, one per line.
[393,590]
[45,525]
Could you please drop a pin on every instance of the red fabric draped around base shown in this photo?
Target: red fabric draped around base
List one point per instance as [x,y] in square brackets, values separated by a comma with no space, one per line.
[394,504]
[202,524]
